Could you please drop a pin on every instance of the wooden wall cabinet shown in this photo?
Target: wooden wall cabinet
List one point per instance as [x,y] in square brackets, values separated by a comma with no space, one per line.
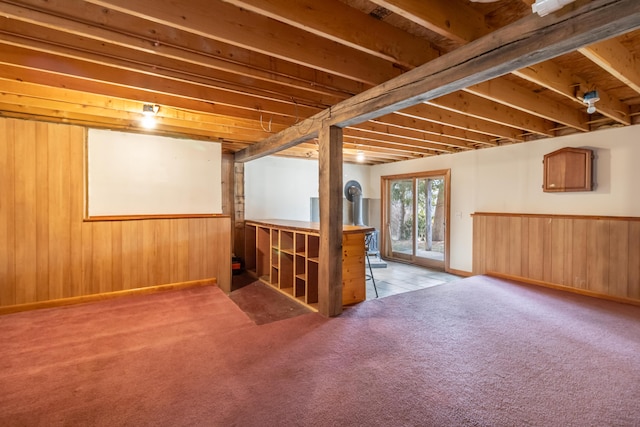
[568,169]
[285,255]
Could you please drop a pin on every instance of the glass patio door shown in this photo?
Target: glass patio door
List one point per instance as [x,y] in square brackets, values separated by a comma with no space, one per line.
[416,210]
[430,224]
[401,223]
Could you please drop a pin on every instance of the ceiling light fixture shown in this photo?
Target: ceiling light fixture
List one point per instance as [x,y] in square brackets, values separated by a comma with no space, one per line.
[590,98]
[545,7]
[149,112]
[360,156]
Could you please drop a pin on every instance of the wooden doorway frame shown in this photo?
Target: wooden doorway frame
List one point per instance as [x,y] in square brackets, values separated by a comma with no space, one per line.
[385,243]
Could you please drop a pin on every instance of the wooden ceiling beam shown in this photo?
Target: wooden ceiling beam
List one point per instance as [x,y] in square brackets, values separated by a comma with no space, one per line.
[34,112]
[452,19]
[142,62]
[511,95]
[406,122]
[379,154]
[310,152]
[164,42]
[374,150]
[132,78]
[409,144]
[400,148]
[96,121]
[505,50]
[336,21]
[535,104]
[458,120]
[614,58]
[437,17]
[380,149]
[74,112]
[407,141]
[229,24]
[563,82]
[95,93]
[524,100]
[486,109]
[387,149]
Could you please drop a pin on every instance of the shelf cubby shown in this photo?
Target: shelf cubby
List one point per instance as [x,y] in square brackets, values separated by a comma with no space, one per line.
[301,244]
[286,242]
[301,265]
[313,248]
[263,251]
[300,288]
[286,271]
[250,241]
[312,283]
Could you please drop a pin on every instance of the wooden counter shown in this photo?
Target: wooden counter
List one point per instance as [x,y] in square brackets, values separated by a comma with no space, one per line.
[284,254]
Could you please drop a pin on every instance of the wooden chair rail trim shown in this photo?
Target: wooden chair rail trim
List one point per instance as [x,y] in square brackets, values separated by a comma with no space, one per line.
[109,295]
[585,292]
[143,217]
[523,215]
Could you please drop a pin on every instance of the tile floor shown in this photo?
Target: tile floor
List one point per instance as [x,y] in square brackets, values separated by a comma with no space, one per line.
[397,278]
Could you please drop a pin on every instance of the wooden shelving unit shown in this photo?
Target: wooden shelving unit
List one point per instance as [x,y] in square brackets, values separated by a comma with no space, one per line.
[281,259]
[285,255]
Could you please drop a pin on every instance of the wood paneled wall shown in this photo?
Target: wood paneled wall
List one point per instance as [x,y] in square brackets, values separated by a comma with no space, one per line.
[594,255]
[48,252]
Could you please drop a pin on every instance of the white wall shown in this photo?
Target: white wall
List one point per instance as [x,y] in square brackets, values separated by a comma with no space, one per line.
[282,188]
[140,174]
[509,179]
[501,179]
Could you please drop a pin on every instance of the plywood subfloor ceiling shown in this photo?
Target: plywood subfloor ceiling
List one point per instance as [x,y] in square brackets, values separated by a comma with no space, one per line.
[240,71]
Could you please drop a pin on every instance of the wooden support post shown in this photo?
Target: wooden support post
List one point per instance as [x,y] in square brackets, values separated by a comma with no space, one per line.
[238,210]
[227,184]
[228,191]
[330,269]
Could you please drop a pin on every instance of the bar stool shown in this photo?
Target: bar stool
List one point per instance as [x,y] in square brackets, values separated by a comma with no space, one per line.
[367,243]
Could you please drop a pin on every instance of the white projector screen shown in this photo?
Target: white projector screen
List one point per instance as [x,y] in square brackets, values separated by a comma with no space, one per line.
[137,174]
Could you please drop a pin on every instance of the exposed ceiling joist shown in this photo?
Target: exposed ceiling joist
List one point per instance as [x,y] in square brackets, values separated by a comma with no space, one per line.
[450,18]
[548,75]
[498,113]
[616,60]
[238,27]
[459,120]
[345,25]
[519,98]
[239,71]
[186,47]
[508,49]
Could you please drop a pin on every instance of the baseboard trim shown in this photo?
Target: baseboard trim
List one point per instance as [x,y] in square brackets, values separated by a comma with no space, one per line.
[104,296]
[565,288]
[459,272]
